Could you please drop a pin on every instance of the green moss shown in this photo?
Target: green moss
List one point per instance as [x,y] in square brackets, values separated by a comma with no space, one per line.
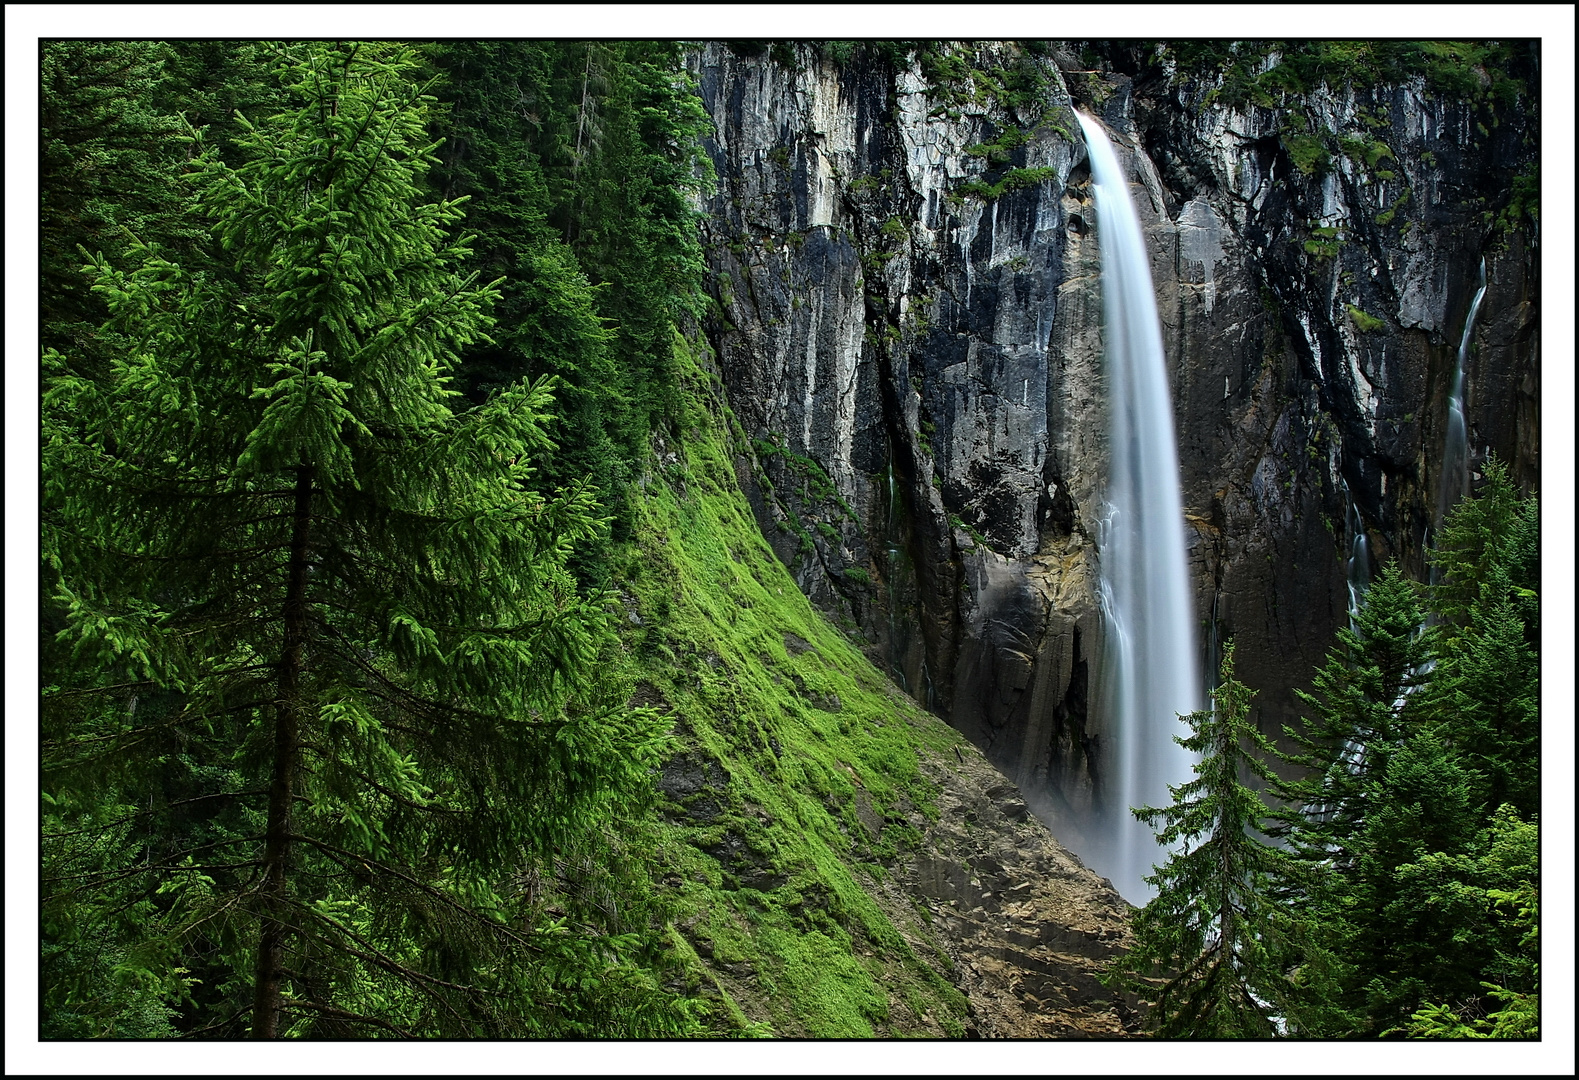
[1367,323]
[1469,71]
[1325,241]
[1306,152]
[791,911]
[1386,216]
[1012,180]
[1524,201]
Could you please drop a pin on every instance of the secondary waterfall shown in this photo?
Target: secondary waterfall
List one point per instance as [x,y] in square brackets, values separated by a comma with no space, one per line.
[1358,566]
[1455,454]
[1150,649]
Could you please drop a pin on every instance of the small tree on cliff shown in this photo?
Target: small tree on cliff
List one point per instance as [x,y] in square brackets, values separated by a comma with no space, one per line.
[329,691]
[1208,946]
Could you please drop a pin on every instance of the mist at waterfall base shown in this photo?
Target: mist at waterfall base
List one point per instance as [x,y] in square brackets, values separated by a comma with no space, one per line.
[1151,673]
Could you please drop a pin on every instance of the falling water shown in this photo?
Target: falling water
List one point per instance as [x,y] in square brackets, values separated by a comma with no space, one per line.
[1455,455]
[1151,646]
[1358,570]
[1359,564]
[892,570]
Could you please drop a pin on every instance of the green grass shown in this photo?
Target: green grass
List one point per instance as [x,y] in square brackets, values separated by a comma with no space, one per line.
[794,903]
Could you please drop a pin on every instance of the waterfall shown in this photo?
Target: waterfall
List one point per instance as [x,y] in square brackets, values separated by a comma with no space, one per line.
[896,654]
[1150,648]
[1455,454]
[1359,564]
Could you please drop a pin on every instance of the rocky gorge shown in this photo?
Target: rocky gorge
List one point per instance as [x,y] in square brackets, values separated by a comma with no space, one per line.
[908,326]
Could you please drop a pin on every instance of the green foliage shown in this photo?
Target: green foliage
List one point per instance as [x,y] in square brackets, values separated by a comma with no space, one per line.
[1326,241]
[581,194]
[1489,550]
[1361,693]
[1487,687]
[1471,71]
[1307,152]
[1411,824]
[1524,203]
[286,560]
[1211,935]
[1012,180]
[1012,79]
[109,160]
[1365,321]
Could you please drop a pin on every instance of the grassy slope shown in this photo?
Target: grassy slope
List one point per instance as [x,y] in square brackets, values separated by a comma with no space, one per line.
[789,738]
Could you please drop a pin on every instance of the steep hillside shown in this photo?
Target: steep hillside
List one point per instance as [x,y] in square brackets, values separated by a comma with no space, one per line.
[842,863]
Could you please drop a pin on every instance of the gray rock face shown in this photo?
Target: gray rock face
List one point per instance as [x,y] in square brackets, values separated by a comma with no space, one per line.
[910,332]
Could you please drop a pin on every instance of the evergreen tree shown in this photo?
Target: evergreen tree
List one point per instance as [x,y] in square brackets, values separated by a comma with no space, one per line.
[1490,899]
[1362,694]
[289,563]
[1422,804]
[582,160]
[1417,736]
[1489,547]
[1212,936]
[1485,693]
[106,166]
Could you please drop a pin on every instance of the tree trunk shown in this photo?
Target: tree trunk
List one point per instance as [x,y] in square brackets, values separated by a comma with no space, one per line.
[276,856]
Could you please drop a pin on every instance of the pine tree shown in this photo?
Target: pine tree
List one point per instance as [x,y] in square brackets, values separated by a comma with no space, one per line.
[292,564]
[583,160]
[1362,695]
[1489,898]
[105,166]
[1212,936]
[1485,693]
[1418,736]
[1488,548]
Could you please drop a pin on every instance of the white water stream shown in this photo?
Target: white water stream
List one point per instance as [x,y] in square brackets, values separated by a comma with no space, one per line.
[1151,648]
[1455,453]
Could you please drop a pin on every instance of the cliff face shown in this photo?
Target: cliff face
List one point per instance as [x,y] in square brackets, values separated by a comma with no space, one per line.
[908,325]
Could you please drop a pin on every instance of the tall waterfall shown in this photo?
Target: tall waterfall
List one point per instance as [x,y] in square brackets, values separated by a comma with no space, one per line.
[1455,454]
[1150,648]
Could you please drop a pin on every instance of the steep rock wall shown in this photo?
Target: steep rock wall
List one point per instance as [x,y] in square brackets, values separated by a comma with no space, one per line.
[908,323]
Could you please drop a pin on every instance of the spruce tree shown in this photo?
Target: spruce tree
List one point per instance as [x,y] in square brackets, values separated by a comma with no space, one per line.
[106,165]
[1485,692]
[1362,694]
[297,573]
[583,161]
[1210,944]
[1426,721]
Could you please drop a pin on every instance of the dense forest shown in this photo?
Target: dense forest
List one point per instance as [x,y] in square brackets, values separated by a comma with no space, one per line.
[413,664]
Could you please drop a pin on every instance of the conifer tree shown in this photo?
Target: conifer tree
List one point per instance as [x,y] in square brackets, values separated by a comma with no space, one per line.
[290,564]
[1426,720]
[583,160]
[1212,937]
[105,166]
[1362,694]
[1485,692]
